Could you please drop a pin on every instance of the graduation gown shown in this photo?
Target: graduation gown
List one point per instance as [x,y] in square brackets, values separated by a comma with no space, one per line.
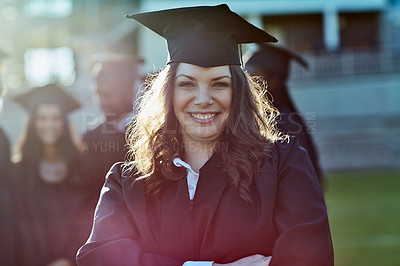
[52,223]
[292,123]
[103,146]
[287,220]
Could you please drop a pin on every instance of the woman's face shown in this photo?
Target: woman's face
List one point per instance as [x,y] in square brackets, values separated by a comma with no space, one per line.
[49,123]
[202,99]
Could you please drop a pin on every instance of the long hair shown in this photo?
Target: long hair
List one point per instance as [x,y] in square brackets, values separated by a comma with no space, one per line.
[32,152]
[154,139]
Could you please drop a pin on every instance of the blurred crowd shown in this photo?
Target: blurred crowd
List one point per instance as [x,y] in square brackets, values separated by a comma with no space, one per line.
[48,194]
[50,189]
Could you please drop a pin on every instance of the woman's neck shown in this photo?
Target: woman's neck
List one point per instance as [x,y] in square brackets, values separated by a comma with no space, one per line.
[51,153]
[197,153]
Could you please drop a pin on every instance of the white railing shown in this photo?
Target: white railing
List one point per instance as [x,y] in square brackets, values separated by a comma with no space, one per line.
[347,64]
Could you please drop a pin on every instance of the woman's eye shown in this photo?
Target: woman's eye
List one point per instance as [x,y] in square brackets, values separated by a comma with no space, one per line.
[220,84]
[186,84]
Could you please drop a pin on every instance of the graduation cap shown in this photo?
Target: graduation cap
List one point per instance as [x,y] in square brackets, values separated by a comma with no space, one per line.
[50,93]
[205,35]
[275,59]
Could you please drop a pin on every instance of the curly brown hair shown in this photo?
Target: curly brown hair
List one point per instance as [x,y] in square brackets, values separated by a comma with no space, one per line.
[154,139]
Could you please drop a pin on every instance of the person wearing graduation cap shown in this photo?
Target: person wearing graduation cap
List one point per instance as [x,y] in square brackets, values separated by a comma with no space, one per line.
[51,223]
[271,62]
[116,76]
[212,181]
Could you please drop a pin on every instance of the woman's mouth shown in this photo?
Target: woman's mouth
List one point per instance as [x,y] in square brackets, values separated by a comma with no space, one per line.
[203,117]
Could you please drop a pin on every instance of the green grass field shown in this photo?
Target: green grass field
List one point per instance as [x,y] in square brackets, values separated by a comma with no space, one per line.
[364,215]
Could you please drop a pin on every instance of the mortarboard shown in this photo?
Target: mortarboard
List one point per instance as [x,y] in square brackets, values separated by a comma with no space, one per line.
[50,93]
[275,59]
[205,35]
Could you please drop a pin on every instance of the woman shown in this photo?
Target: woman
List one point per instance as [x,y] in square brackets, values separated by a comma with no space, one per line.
[212,181]
[50,228]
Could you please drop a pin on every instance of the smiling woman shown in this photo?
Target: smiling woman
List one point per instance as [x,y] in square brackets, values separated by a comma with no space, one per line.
[202,99]
[210,180]
[50,190]
[49,123]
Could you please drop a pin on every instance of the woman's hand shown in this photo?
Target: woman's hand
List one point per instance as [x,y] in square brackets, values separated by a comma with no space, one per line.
[254,260]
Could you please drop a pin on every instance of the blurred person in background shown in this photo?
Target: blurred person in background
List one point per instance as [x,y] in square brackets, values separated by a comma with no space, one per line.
[8,248]
[272,63]
[51,222]
[116,86]
[210,179]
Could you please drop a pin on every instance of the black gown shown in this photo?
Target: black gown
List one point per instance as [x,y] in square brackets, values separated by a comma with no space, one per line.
[288,219]
[52,221]
[291,122]
[103,146]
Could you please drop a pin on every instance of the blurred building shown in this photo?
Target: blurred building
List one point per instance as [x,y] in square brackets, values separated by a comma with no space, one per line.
[349,97]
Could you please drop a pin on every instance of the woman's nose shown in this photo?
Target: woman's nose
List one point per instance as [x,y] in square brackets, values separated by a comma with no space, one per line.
[203,96]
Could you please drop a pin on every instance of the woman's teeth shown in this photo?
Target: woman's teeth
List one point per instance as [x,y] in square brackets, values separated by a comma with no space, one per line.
[203,116]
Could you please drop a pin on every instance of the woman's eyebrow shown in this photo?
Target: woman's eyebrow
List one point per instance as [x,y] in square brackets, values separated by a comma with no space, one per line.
[213,79]
[186,76]
[221,77]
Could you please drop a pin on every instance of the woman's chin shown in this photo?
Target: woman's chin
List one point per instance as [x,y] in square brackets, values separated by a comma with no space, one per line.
[49,142]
